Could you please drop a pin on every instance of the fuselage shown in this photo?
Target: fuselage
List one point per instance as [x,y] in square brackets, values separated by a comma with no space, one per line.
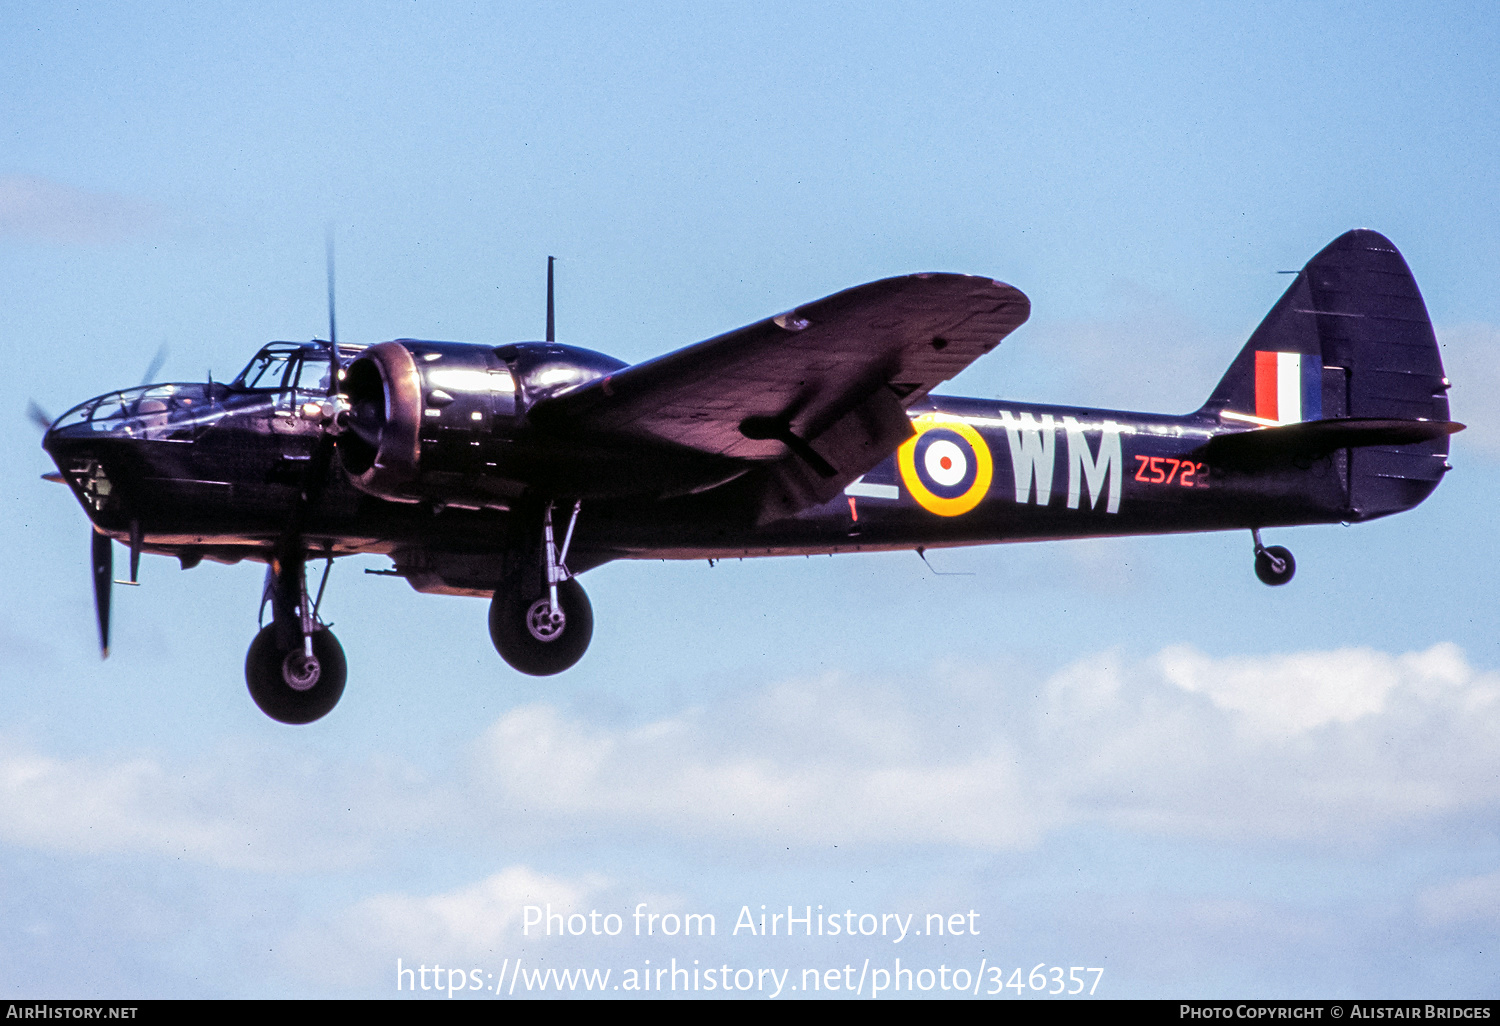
[215,471]
[507,471]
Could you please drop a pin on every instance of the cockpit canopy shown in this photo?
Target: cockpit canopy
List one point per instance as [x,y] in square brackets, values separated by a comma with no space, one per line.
[180,412]
[157,412]
[289,372]
[291,365]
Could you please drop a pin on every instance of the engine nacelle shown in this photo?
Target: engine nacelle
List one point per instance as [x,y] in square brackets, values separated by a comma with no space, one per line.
[381,448]
[443,422]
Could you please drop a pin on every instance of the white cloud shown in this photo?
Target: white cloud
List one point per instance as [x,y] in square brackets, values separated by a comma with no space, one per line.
[803,762]
[34,209]
[1333,747]
[1323,746]
[89,807]
[475,925]
[1329,747]
[236,810]
[1305,690]
[475,920]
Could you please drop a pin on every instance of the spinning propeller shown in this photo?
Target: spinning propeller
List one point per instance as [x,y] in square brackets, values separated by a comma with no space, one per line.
[101,552]
[315,474]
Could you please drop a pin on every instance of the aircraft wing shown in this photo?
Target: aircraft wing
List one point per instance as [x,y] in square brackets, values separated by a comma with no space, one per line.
[820,390]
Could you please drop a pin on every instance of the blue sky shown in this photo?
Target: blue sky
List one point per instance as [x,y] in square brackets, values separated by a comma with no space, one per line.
[1121,753]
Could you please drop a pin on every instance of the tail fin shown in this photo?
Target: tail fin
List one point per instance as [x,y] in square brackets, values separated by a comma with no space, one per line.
[1350,339]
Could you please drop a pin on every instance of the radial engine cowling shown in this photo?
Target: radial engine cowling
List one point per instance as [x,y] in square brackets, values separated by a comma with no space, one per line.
[381,445]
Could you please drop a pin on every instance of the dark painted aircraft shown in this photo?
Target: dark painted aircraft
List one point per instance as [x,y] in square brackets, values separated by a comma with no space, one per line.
[507,471]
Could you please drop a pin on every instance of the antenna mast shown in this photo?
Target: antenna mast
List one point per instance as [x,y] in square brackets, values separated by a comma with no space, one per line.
[551,329]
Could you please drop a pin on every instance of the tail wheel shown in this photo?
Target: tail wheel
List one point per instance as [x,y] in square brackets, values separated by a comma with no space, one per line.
[532,639]
[288,686]
[1274,565]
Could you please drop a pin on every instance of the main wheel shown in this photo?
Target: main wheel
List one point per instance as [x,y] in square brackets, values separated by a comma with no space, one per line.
[1274,565]
[286,685]
[527,635]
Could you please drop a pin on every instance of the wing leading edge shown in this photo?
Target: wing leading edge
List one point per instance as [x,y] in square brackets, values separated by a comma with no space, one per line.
[808,400]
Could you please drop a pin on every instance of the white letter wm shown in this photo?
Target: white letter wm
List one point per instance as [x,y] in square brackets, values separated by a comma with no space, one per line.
[1086,469]
[1032,451]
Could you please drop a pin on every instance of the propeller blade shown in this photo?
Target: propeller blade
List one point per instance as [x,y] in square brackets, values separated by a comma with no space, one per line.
[104,574]
[38,416]
[333,330]
[155,365]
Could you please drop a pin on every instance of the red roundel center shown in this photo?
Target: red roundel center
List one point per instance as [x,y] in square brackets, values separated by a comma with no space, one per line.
[946,463]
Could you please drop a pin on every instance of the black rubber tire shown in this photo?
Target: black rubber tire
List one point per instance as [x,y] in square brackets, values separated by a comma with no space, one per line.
[530,654]
[1265,569]
[278,699]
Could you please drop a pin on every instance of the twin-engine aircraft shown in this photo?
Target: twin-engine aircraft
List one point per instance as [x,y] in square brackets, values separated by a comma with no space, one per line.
[507,471]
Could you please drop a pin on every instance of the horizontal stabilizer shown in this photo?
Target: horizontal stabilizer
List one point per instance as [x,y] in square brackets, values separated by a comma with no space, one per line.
[1317,438]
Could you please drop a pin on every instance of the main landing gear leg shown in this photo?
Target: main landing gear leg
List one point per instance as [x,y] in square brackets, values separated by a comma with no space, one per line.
[546,634]
[295,667]
[1273,565]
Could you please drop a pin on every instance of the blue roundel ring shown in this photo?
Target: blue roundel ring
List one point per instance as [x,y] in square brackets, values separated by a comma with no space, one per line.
[944,462]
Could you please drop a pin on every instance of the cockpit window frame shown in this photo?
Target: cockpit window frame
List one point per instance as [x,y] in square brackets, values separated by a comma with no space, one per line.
[294,354]
[298,370]
[288,352]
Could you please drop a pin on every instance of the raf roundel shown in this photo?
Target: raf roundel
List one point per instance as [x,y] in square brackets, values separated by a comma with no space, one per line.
[946,465]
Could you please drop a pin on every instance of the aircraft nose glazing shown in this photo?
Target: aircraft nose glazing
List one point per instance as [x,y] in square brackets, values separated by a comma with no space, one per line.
[155,412]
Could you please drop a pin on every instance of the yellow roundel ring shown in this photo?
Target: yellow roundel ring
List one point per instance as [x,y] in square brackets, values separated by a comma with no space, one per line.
[972,483]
